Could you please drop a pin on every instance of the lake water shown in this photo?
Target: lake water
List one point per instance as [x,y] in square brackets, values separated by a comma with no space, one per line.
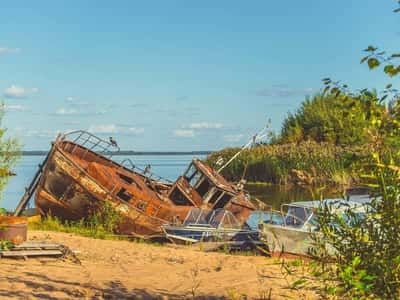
[166,166]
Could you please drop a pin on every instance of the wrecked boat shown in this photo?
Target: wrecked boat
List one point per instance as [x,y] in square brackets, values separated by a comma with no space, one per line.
[78,175]
[214,229]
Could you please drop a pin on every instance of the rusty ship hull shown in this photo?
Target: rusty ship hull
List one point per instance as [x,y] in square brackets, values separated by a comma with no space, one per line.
[76,180]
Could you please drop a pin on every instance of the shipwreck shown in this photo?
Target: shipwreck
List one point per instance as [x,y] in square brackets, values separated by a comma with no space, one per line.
[78,174]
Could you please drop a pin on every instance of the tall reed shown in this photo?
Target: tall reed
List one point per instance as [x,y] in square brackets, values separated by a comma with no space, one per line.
[306,162]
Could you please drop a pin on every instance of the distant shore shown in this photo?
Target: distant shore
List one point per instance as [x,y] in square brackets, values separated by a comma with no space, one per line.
[128,152]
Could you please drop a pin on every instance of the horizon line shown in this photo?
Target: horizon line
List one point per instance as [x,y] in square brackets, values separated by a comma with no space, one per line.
[130,152]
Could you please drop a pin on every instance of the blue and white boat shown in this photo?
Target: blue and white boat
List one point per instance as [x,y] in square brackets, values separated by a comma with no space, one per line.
[219,227]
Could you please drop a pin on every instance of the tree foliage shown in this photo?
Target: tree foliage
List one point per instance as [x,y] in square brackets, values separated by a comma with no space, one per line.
[367,250]
[9,153]
[339,119]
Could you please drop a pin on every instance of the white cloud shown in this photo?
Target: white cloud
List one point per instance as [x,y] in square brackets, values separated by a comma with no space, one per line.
[45,133]
[205,125]
[15,107]
[135,130]
[15,91]
[184,133]
[112,128]
[65,111]
[74,110]
[7,50]
[70,99]
[107,128]
[233,138]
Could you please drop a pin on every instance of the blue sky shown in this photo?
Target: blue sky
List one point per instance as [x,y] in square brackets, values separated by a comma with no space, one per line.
[178,75]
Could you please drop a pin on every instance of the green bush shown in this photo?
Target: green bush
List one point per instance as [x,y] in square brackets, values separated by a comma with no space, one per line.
[341,120]
[366,263]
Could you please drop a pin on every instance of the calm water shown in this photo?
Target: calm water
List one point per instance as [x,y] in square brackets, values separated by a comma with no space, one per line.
[166,166]
[275,195]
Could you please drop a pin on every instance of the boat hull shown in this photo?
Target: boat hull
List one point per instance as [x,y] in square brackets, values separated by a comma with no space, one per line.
[290,241]
[281,239]
[68,192]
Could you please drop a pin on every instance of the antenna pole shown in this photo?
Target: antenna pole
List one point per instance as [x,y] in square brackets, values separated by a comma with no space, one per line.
[249,143]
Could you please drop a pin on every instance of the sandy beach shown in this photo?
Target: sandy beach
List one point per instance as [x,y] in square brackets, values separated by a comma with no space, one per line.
[129,270]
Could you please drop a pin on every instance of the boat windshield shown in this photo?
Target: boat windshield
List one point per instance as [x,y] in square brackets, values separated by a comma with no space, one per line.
[197,216]
[218,218]
[296,216]
[265,217]
[221,218]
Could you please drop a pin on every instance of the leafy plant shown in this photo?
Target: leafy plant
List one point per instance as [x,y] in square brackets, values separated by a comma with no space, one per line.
[6,245]
[366,261]
[101,223]
[9,152]
[338,119]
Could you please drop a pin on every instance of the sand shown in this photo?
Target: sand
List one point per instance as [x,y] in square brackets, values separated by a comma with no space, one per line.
[130,270]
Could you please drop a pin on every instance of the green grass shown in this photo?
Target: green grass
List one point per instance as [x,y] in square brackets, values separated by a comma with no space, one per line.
[81,227]
[101,223]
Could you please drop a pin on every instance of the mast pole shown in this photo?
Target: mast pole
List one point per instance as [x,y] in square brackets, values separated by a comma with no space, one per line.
[249,143]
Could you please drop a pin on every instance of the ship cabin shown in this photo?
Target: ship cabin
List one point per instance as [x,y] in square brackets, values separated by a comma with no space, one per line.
[202,186]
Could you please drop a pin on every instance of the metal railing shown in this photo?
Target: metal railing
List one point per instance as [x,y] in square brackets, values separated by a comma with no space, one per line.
[107,149]
[91,142]
[127,163]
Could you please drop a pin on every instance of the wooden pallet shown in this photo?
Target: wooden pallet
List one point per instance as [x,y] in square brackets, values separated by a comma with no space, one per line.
[33,249]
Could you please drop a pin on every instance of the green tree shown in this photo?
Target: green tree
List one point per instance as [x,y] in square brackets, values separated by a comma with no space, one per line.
[340,119]
[9,152]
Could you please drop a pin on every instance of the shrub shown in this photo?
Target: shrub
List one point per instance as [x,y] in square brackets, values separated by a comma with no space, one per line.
[366,263]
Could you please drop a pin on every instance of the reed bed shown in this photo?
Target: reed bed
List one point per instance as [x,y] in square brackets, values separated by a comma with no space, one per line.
[308,163]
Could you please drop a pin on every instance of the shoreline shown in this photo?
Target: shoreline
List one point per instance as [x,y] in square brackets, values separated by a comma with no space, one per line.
[113,269]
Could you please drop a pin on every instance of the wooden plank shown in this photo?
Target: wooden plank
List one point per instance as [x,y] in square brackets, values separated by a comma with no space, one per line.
[37,245]
[23,253]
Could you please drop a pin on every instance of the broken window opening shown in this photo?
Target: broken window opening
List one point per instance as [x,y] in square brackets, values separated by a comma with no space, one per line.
[179,198]
[204,187]
[223,201]
[191,171]
[193,176]
[125,178]
[217,194]
[129,180]
[124,195]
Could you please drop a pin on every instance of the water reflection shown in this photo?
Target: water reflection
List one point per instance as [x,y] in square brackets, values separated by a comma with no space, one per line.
[275,195]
